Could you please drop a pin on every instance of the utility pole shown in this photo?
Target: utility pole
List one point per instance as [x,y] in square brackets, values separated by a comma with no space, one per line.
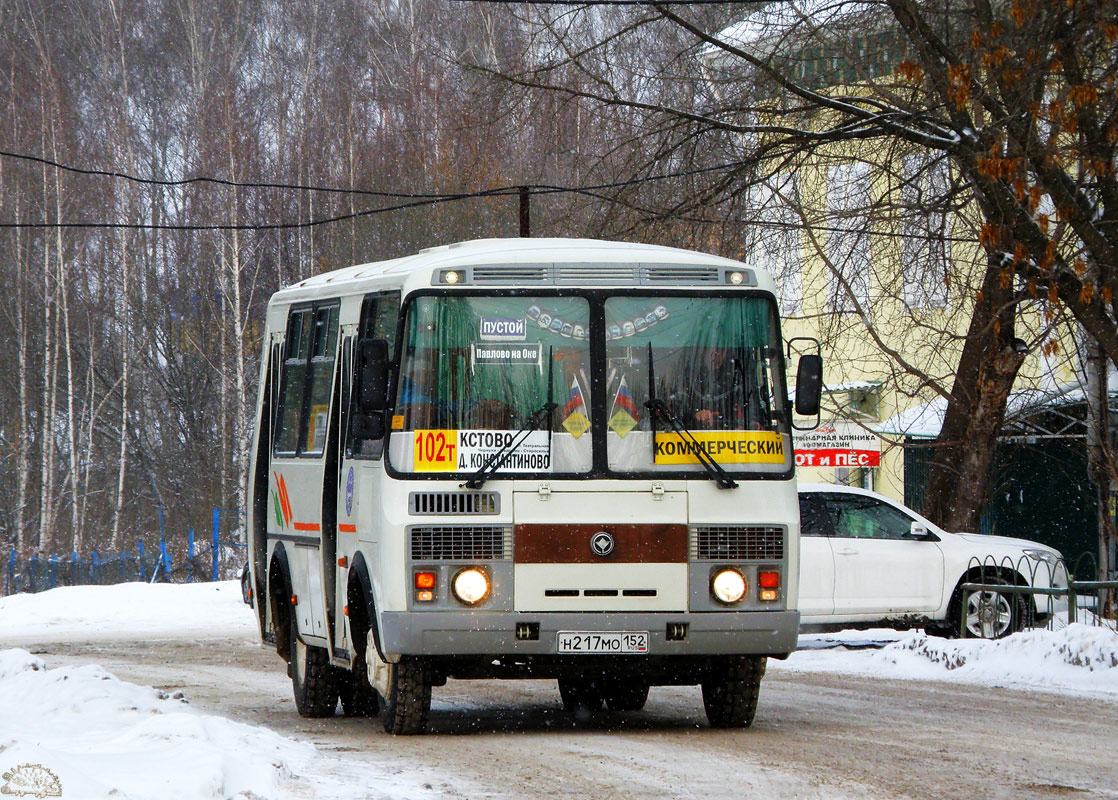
[525,213]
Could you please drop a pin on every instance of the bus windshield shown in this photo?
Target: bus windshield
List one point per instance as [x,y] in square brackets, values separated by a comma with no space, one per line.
[476,370]
[716,365]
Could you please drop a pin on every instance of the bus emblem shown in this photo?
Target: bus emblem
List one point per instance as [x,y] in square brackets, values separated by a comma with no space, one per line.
[601,543]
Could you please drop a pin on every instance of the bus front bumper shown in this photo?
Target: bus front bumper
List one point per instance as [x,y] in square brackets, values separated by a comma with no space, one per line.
[457,633]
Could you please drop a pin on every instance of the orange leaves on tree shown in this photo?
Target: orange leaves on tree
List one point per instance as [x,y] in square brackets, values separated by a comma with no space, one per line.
[1048,260]
[1086,293]
[1084,94]
[909,72]
[958,85]
[1035,195]
[996,57]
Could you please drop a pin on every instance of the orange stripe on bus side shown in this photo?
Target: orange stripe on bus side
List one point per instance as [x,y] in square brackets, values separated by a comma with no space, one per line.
[306,526]
[347,528]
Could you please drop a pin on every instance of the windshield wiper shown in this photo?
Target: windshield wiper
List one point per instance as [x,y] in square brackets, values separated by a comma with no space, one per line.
[494,462]
[660,409]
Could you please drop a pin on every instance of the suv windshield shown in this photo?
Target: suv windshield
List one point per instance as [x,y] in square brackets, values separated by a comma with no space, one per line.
[475,369]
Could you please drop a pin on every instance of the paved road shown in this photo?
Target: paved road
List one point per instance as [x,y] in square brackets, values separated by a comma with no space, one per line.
[824,736]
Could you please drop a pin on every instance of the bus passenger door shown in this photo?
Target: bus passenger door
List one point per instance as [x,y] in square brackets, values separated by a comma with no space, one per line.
[299,453]
[359,467]
[344,484]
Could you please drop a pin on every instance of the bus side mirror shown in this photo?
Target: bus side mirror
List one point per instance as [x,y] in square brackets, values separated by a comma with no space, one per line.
[809,385]
[372,376]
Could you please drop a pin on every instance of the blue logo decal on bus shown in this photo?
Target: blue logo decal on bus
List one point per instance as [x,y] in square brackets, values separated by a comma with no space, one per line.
[349,493]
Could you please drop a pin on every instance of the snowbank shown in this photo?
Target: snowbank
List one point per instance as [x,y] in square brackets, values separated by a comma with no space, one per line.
[1077,659]
[97,736]
[127,611]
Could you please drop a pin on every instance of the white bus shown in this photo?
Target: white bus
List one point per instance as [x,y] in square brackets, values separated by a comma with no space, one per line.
[535,458]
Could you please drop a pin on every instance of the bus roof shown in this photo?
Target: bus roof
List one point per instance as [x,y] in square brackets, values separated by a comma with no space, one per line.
[415,271]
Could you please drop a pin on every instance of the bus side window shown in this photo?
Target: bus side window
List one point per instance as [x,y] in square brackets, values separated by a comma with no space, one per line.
[321,378]
[379,315]
[293,382]
[308,367]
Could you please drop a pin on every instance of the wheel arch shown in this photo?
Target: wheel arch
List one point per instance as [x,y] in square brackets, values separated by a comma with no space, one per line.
[279,597]
[359,599]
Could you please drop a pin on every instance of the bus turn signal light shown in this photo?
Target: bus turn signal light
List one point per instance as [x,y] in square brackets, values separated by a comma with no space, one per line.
[424,580]
[769,580]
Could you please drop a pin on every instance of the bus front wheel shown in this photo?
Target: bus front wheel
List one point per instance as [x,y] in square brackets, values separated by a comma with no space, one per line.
[731,689]
[407,701]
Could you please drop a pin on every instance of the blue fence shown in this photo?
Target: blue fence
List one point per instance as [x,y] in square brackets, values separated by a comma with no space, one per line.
[211,560]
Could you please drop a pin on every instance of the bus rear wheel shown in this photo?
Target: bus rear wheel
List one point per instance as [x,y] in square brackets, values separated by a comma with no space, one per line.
[359,698]
[314,681]
[731,689]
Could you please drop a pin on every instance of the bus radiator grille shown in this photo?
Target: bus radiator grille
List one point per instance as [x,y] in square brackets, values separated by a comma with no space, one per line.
[737,543]
[460,542]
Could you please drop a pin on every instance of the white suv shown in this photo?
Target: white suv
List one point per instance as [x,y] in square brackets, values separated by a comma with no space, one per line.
[867,560]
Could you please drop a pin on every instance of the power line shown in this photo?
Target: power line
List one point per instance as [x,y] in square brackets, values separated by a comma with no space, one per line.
[416,200]
[203,179]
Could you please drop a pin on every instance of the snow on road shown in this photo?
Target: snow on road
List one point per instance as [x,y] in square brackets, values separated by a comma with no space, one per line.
[103,737]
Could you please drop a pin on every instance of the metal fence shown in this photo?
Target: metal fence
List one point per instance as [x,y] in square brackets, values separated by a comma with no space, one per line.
[220,557]
[1048,596]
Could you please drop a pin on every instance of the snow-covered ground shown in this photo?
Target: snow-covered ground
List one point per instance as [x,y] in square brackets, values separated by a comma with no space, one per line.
[1077,659]
[128,611]
[101,737]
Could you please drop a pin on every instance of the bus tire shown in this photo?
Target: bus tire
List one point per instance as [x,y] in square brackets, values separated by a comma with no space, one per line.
[626,695]
[730,691]
[314,681]
[580,696]
[359,698]
[404,711]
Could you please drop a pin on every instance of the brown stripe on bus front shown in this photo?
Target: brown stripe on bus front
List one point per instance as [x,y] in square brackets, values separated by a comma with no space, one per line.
[570,544]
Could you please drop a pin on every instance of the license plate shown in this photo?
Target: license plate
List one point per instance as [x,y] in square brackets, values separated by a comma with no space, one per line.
[610,642]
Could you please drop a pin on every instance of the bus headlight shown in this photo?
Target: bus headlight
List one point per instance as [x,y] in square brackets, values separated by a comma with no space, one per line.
[728,586]
[470,586]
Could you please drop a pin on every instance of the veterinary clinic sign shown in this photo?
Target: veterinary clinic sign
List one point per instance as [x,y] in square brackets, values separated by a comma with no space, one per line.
[840,444]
